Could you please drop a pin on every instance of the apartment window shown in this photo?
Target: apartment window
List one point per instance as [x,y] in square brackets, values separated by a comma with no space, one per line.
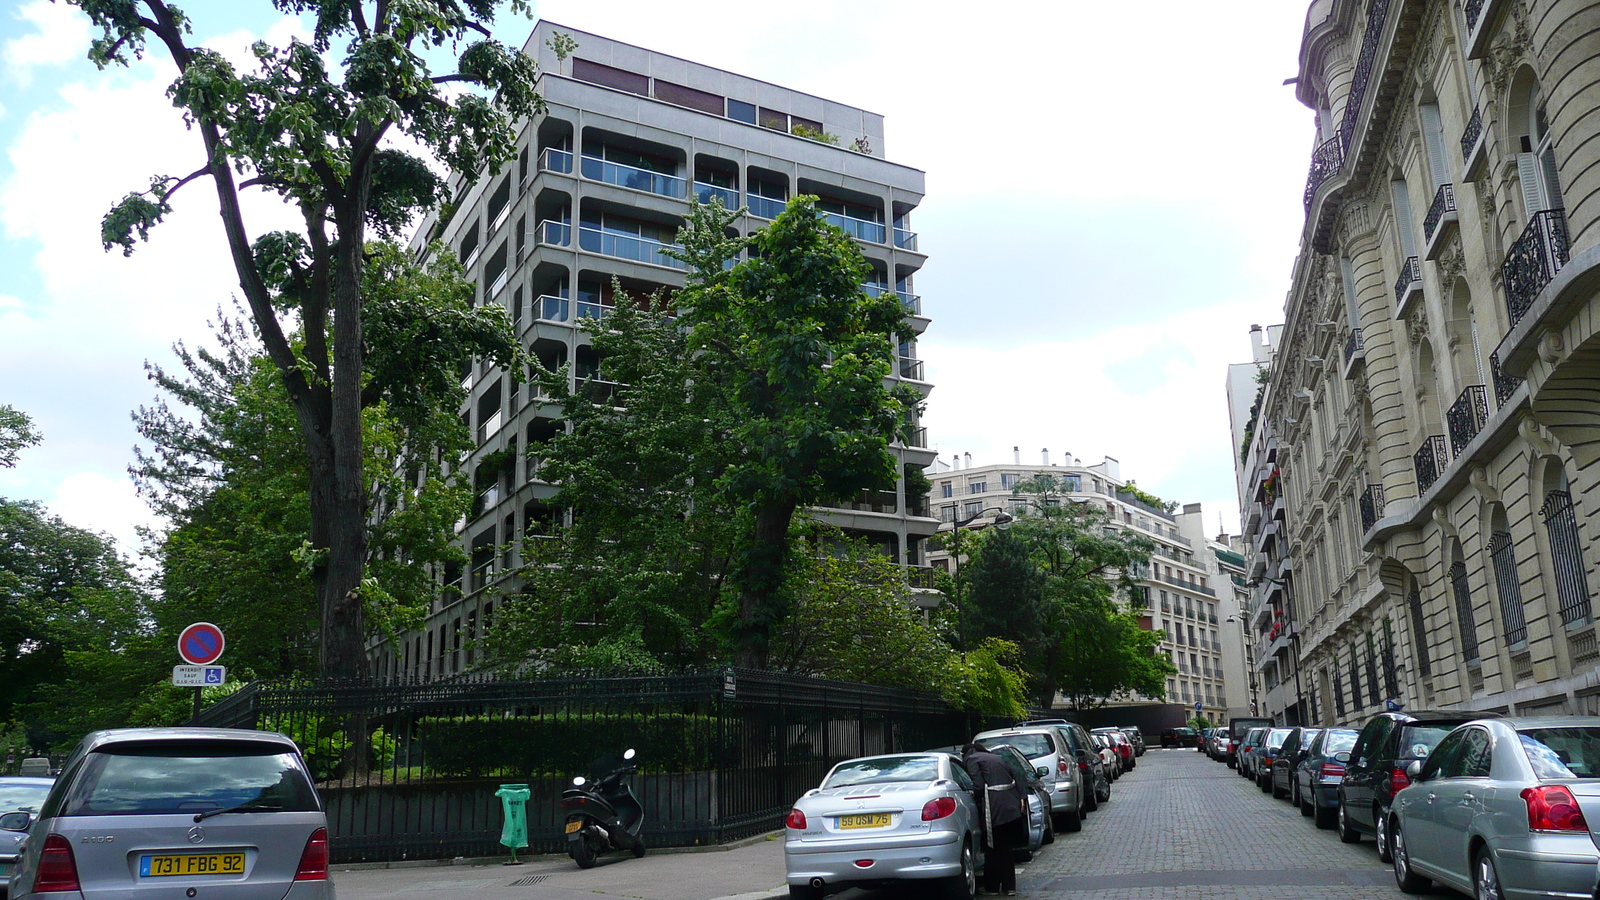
[1402,218]
[947,513]
[1566,553]
[621,79]
[971,509]
[946,489]
[1018,506]
[687,96]
[1536,161]
[1008,481]
[742,111]
[977,487]
[1097,487]
[1463,592]
[1502,552]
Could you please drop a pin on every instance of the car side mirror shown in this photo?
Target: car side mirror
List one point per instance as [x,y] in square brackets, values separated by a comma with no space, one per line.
[16,821]
[1342,756]
[1041,771]
[1414,770]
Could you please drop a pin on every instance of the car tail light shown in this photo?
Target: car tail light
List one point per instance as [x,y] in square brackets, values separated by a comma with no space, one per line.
[938,808]
[314,859]
[58,870]
[1061,767]
[1331,770]
[795,820]
[1083,764]
[1551,807]
[1398,780]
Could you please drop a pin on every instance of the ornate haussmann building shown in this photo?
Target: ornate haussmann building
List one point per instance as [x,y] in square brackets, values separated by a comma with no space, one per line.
[1434,406]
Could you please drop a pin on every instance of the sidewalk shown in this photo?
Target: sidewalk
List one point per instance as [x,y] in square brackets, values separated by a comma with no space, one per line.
[750,872]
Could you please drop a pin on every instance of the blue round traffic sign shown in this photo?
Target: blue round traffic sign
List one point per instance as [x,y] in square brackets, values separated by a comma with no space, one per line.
[201,644]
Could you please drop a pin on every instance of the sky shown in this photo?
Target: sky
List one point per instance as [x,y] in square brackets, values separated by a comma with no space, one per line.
[1113,199]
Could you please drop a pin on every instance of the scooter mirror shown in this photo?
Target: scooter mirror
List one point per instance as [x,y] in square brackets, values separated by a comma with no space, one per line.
[580,781]
[629,754]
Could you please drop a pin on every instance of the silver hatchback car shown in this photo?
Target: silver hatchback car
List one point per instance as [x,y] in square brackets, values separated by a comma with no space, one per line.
[18,794]
[227,815]
[882,820]
[1503,808]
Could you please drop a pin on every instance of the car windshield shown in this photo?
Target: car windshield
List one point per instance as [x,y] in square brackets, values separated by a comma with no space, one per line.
[1417,741]
[1254,737]
[884,770]
[30,797]
[1339,741]
[1032,746]
[1563,752]
[1277,736]
[191,777]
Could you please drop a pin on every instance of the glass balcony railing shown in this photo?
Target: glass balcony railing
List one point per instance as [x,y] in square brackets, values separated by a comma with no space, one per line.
[552,233]
[765,207]
[588,310]
[499,284]
[554,160]
[705,193]
[552,308]
[905,240]
[633,177]
[874,290]
[861,229]
[911,368]
[489,427]
[913,302]
[622,246]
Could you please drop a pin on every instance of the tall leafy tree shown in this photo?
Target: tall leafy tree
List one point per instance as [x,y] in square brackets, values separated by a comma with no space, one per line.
[17,432]
[320,139]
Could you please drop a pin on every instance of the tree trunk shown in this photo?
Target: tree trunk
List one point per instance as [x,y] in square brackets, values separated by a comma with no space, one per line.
[761,601]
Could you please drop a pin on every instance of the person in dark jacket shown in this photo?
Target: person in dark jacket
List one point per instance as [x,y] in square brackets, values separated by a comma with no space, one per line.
[1003,807]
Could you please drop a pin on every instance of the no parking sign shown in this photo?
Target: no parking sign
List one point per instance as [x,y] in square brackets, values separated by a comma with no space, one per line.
[201,644]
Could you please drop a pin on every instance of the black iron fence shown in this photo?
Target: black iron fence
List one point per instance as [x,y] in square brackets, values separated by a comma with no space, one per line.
[408,770]
[1504,385]
[1473,131]
[1534,259]
[1430,461]
[1466,417]
[1371,506]
[1566,552]
[1503,553]
[1410,273]
[1444,201]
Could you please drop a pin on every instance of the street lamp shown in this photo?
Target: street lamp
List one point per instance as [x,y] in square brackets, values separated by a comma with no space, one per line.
[1002,518]
[1249,661]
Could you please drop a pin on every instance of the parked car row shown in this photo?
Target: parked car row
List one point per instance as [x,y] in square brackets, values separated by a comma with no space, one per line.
[912,817]
[1493,806]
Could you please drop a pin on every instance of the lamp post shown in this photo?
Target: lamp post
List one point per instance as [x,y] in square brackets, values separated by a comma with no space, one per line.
[1002,518]
[1249,661]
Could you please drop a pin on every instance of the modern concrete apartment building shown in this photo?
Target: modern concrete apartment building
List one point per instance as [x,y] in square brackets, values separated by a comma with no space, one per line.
[1435,401]
[1181,588]
[597,191]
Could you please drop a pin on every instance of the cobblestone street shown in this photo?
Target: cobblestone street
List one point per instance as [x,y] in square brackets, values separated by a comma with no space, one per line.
[1182,826]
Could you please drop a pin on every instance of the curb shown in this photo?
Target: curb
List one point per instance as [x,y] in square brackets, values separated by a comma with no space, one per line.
[779,894]
[532,857]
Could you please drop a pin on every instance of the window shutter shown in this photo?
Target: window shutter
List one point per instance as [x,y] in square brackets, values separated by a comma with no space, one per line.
[1433,140]
[1347,273]
[1402,218]
[1528,176]
[1551,180]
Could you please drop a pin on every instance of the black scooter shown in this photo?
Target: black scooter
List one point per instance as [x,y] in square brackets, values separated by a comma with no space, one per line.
[603,815]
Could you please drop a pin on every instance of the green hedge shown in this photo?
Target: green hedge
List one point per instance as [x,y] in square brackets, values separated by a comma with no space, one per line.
[559,745]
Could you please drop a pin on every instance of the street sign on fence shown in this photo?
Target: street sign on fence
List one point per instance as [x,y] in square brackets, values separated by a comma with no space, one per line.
[199,676]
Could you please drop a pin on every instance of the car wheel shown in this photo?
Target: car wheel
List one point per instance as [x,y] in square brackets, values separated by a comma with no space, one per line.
[1071,820]
[1091,801]
[805,892]
[1300,800]
[1104,796]
[965,885]
[1404,878]
[1321,816]
[1486,882]
[1264,782]
[1277,792]
[1049,831]
[1380,825]
[1347,834]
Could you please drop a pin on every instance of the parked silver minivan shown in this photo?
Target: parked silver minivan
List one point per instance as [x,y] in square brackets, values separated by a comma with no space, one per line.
[228,815]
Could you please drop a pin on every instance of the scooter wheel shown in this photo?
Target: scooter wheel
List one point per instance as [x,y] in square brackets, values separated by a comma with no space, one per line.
[583,853]
[638,847]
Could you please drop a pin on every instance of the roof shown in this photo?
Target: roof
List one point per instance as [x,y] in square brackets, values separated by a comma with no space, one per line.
[98,739]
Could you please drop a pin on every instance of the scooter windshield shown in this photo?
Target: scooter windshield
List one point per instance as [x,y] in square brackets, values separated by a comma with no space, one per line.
[607,764]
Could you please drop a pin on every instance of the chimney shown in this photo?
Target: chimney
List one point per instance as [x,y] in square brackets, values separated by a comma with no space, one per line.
[1016,456]
[1257,347]
[967,463]
[1045,455]
[1113,468]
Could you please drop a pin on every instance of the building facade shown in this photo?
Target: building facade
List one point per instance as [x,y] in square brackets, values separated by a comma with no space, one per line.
[1435,402]
[1181,590]
[599,187]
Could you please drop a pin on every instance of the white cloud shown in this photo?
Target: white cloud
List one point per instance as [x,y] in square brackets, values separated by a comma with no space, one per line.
[61,35]
[93,501]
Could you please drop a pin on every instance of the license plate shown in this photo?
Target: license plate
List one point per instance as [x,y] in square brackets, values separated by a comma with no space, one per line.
[191,864]
[574,827]
[869,820]
[5,870]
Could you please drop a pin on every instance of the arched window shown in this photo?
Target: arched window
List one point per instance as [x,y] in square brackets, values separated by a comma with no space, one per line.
[1566,549]
[1355,679]
[1391,673]
[1338,688]
[1463,330]
[1463,597]
[1419,629]
[1503,556]
[1536,158]
[1373,689]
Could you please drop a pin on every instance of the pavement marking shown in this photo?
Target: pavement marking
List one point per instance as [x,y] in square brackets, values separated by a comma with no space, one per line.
[529,881]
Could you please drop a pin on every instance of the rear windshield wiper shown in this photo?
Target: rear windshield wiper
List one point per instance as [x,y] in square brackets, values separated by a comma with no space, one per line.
[243,807]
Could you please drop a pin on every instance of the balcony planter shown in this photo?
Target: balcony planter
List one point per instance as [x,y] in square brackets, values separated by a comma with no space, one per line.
[1441,219]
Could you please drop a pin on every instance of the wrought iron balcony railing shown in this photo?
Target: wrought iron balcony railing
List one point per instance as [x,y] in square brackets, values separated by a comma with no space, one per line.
[1466,417]
[1410,273]
[1469,137]
[1504,385]
[1474,9]
[1325,163]
[1371,506]
[1377,15]
[1430,461]
[1444,201]
[1534,259]
[1352,345]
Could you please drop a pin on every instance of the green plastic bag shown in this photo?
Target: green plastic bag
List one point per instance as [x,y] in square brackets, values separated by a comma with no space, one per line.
[514,834]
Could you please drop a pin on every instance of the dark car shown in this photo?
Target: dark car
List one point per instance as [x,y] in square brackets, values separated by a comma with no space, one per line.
[1238,728]
[1246,751]
[1271,744]
[1096,778]
[1177,737]
[1040,831]
[1289,755]
[1137,737]
[1317,775]
[1376,770]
